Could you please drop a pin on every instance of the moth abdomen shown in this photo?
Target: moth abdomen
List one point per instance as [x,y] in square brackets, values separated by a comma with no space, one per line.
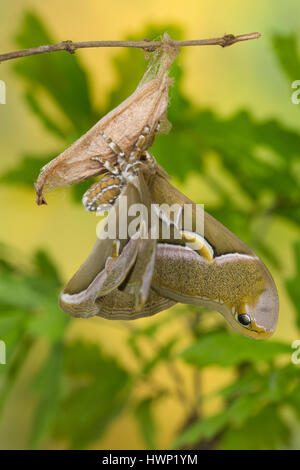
[103,194]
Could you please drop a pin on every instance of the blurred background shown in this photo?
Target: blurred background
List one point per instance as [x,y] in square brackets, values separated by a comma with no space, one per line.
[234,146]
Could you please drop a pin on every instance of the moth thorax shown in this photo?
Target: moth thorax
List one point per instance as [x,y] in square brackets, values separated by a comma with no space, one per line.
[101,195]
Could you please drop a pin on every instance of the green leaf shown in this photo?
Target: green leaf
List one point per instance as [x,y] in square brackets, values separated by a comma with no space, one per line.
[59,74]
[294,401]
[41,113]
[293,284]
[13,324]
[145,419]
[287,52]
[47,384]
[51,322]
[264,431]
[16,356]
[240,136]
[26,172]
[205,428]
[45,267]
[225,350]
[28,307]
[97,392]
[163,353]
[10,320]
[17,291]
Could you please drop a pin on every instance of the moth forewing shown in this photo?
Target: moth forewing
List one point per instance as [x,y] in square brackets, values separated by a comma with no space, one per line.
[121,305]
[84,302]
[227,276]
[236,285]
[139,281]
[108,264]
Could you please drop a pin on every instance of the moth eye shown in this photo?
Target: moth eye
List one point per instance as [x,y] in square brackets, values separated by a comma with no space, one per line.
[244,319]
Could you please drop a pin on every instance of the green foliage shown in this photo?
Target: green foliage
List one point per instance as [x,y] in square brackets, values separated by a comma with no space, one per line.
[145,418]
[48,386]
[96,393]
[265,430]
[226,350]
[59,75]
[293,284]
[25,173]
[28,310]
[286,48]
[80,390]
[248,402]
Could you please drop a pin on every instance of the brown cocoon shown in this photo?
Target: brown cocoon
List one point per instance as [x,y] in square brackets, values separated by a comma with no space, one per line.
[145,107]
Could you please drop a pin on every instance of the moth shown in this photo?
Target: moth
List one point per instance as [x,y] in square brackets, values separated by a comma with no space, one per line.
[147,276]
[137,275]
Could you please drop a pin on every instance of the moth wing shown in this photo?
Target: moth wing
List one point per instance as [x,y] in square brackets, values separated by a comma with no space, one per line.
[121,305]
[140,279]
[83,303]
[232,284]
[102,271]
[217,235]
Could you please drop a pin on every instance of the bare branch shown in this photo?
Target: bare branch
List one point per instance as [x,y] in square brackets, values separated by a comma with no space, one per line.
[146,45]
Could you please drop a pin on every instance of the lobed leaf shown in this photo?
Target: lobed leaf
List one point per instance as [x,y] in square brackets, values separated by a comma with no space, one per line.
[226,350]
[293,284]
[96,394]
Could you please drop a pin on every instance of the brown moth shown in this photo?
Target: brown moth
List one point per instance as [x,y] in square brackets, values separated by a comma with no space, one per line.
[235,282]
[227,276]
[136,275]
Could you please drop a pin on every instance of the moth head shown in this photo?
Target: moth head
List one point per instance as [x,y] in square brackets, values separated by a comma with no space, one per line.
[257,315]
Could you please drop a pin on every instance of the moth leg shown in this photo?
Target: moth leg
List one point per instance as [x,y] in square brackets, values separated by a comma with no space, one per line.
[149,138]
[140,145]
[192,240]
[116,149]
[130,165]
[139,156]
[144,141]
[114,168]
[146,138]
[109,166]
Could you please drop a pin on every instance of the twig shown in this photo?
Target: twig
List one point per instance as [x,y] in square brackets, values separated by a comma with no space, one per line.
[146,45]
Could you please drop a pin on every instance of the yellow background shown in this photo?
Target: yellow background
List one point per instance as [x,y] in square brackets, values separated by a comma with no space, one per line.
[242,76]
